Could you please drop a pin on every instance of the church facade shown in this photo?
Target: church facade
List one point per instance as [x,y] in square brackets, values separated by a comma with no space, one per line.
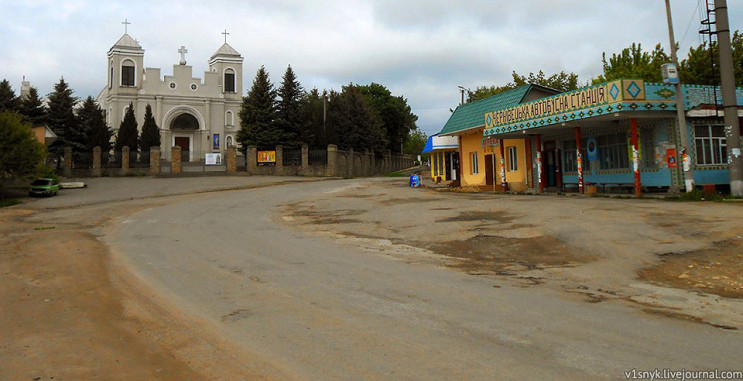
[200,116]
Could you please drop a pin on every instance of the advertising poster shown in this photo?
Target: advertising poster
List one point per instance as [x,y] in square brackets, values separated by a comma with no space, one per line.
[266,157]
[671,157]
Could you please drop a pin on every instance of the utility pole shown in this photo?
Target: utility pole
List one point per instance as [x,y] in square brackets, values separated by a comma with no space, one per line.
[729,103]
[680,111]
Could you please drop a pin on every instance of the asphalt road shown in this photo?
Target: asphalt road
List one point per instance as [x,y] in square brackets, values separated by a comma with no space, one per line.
[321,310]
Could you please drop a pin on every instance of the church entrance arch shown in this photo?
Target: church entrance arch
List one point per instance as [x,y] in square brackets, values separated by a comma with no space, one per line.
[186,126]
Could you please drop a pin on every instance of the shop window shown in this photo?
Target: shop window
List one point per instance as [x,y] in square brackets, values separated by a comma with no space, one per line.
[229,81]
[613,151]
[647,146]
[569,163]
[474,167]
[441,164]
[127,73]
[710,144]
[513,159]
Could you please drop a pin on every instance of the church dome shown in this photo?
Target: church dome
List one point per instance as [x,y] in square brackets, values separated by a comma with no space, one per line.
[226,51]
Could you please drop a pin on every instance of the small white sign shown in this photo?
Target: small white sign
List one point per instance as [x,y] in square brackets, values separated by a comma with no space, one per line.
[213,159]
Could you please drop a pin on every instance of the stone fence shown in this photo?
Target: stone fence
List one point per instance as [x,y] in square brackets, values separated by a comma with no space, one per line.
[302,162]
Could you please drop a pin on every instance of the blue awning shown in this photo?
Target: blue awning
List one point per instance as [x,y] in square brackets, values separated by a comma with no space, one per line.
[429,145]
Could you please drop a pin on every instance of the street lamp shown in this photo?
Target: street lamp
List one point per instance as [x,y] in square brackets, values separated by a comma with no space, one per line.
[462,90]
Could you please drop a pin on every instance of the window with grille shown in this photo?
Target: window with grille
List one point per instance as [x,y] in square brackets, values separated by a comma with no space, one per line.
[710,144]
[474,167]
[513,160]
[613,151]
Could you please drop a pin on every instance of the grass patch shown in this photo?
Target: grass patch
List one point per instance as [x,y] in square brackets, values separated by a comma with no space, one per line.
[4,203]
[395,174]
[44,228]
[697,195]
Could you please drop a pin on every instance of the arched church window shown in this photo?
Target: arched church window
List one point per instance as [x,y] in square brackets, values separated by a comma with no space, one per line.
[111,79]
[229,120]
[229,81]
[127,73]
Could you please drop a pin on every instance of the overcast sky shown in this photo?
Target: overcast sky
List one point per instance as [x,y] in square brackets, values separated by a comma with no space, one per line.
[420,49]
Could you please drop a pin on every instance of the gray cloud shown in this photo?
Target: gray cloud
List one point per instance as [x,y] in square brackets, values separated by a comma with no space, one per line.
[419,49]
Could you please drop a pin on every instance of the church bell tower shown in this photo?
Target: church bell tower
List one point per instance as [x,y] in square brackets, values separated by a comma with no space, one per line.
[125,66]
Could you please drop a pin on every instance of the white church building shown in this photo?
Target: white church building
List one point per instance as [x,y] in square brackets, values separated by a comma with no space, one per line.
[200,116]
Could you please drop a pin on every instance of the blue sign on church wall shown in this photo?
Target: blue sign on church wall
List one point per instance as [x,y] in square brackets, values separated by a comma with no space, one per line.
[215,138]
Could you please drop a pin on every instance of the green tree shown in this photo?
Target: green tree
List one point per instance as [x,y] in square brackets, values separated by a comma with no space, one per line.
[150,132]
[394,112]
[93,123]
[353,123]
[8,100]
[127,135]
[312,129]
[20,153]
[561,81]
[701,65]
[32,108]
[416,142]
[258,113]
[634,63]
[289,110]
[61,119]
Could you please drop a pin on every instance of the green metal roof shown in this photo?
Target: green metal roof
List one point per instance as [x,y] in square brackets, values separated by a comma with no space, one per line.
[470,115]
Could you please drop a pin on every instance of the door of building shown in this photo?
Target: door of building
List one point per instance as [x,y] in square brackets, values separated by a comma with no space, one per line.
[550,164]
[489,175]
[184,143]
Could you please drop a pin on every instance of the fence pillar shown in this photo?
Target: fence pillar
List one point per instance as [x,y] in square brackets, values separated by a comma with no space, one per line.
[305,159]
[231,159]
[367,163]
[388,161]
[124,160]
[251,160]
[349,162]
[279,168]
[67,172]
[175,159]
[154,160]
[332,165]
[96,170]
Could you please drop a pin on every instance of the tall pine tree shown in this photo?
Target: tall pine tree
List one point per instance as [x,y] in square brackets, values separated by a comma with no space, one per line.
[312,129]
[32,108]
[353,123]
[289,110]
[61,119]
[93,123]
[127,135]
[8,100]
[258,113]
[150,132]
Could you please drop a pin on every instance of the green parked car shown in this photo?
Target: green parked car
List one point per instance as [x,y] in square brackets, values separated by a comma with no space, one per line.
[44,187]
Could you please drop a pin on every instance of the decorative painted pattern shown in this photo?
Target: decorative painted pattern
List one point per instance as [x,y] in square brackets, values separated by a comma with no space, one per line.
[612,97]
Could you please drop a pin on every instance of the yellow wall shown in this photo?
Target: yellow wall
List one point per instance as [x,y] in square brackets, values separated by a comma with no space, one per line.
[472,143]
[516,179]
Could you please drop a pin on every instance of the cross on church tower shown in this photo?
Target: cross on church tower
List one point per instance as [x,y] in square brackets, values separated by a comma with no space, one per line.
[183,52]
[225,35]
[126,25]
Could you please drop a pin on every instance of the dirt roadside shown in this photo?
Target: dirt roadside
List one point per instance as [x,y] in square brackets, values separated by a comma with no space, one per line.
[674,259]
[71,312]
